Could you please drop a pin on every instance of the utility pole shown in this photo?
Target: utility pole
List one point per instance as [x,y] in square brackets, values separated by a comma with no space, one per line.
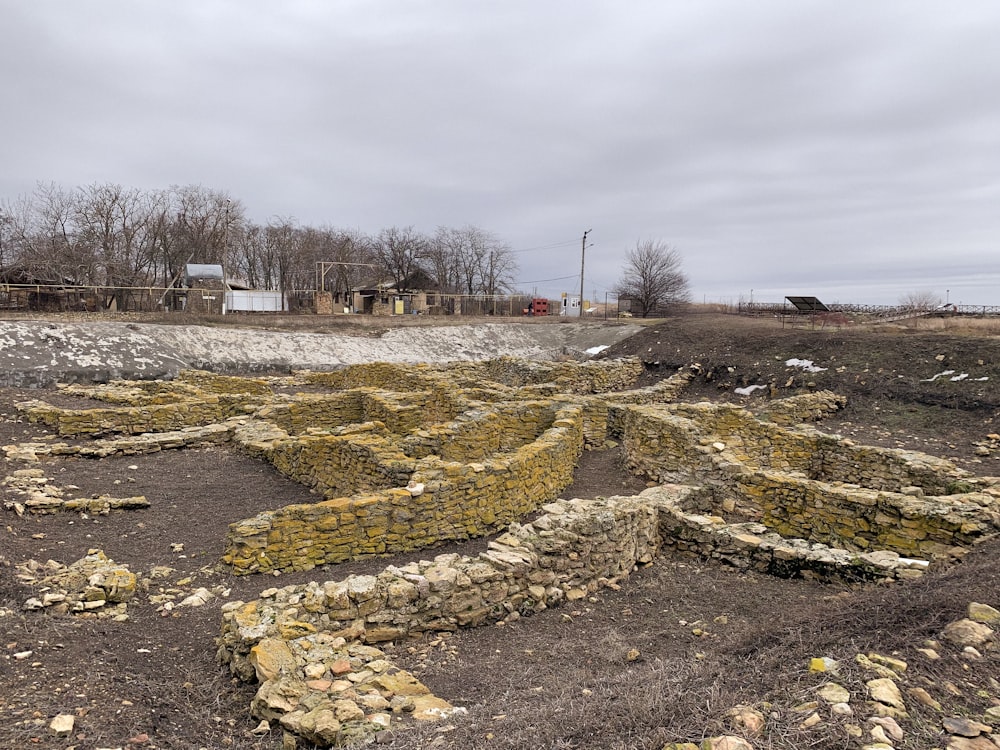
[583,255]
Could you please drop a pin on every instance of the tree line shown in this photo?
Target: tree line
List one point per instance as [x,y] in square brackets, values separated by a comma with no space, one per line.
[110,235]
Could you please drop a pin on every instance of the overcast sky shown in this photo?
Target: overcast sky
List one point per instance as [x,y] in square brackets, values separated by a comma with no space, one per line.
[847,149]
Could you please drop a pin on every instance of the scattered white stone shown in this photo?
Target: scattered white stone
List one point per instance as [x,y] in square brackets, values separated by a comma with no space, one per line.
[890,726]
[198,599]
[984,613]
[804,364]
[62,724]
[886,691]
[831,692]
[943,373]
[967,632]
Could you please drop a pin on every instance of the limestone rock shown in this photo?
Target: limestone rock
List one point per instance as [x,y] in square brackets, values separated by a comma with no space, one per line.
[272,658]
[429,707]
[319,725]
[924,698]
[199,598]
[749,718]
[966,632]
[970,743]
[878,734]
[62,725]
[399,682]
[984,613]
[726,742]
[886,691]
[890,725]
[831,692]
[896,665]
[347,710]
[964,727]
[823,664]
[811,720]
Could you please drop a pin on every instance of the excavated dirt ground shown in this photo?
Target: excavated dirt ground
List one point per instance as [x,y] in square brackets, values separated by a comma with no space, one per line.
[560,679]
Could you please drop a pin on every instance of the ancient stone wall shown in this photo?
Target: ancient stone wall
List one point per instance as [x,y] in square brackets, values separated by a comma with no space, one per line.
[566,553]
[400,470]
[858,518]
[402,411]
[573,549]
[599,376]
[807,407]
[460,456]
[477,433]
[433,499]
[699,436]
[215,383]
[803,483]
[132,420]
[321,411]
[337,465]
[382,375]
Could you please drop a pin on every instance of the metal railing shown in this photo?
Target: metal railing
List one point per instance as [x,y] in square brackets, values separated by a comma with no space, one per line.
[768,309]
[97,299]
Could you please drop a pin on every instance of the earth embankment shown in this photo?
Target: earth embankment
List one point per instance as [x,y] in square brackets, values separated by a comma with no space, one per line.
[37,353]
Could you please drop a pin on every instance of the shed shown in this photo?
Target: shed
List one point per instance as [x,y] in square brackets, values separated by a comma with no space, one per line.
[206,288]
[197,274]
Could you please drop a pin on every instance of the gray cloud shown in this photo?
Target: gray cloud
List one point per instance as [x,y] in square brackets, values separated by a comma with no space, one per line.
[841,149]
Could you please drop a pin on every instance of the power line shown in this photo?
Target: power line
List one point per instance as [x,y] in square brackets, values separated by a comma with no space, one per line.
[553,246]
[542,281]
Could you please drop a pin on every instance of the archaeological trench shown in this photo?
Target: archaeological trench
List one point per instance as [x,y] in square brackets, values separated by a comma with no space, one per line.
[408,456]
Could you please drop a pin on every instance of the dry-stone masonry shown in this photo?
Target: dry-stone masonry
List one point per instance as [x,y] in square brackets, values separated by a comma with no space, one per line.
[36,493]
[405,456]
[803,483]
[93,585]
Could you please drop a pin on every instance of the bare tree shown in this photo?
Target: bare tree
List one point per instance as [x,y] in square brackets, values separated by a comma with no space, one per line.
[471,260]
[282,240]
[162,238]
[205,220]
[15,221]
[920,300]
[653,277]
[115,225]
[497,268]
[50,239]
[442,256]
[347,252]
[110,235]
[251,262]
[397,253]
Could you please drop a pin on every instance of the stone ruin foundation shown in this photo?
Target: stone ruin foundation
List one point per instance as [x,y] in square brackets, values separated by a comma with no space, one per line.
[405,457]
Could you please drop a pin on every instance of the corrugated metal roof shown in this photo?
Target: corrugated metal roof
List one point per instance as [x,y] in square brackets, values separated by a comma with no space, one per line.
[203,271]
